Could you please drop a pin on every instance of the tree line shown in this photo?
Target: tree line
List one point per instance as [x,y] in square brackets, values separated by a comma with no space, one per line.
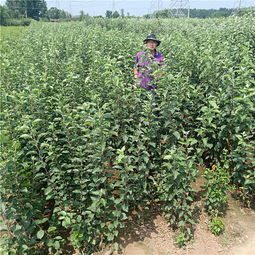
[21,12]
[203,13]
[25,10]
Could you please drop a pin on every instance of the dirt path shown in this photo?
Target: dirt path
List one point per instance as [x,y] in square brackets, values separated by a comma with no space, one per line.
[157,239]
[153,236]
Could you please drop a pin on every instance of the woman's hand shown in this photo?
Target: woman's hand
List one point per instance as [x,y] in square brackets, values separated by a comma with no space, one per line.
[136,73]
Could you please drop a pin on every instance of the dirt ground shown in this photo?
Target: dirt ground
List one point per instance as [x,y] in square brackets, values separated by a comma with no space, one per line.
[153,236]
[156,238]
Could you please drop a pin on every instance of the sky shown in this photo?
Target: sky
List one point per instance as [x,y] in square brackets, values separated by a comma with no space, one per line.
[137,8]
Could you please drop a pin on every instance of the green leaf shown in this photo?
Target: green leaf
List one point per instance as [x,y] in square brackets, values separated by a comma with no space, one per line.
[26,136]
[125,207]
[56,245]
[175,174]
[103,202]
[23,128]
[116,246]
[177,135]
[110,237]
[40,234]
[167,157]
[47,191]
[41,221]
[51,229]
[213,104]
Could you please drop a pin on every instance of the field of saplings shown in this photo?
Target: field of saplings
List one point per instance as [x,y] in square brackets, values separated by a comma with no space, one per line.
[82,147]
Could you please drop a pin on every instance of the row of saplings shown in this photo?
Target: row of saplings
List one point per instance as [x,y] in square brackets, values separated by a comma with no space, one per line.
[180,210]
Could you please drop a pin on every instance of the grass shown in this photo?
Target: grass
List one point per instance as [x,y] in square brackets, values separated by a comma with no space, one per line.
[8,35]
[10,32]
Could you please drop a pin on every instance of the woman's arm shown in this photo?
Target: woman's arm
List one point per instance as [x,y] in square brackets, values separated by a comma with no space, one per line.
[136,65]
[136,72]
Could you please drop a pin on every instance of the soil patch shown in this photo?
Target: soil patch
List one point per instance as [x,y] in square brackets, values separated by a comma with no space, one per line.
[152,235]
[156,238]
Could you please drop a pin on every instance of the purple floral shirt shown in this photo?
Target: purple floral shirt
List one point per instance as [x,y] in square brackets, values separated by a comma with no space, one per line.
[147,64]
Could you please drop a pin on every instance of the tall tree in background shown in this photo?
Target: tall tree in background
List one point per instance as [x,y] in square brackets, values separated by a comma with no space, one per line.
[108,14]
[122,13]
[27,8]
[82,15]
[15,7]
[55,13]
[4,15]
[115,15]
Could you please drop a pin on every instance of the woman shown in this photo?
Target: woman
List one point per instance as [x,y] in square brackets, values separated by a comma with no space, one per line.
[147,63]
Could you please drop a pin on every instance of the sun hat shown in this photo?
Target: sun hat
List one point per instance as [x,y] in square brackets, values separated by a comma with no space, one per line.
[153,38]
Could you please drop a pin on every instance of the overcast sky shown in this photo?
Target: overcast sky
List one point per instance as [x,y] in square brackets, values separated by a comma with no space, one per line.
[137,8]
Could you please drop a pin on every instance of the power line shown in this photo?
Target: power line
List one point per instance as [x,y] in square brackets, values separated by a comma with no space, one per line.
[240,4]
[179,8]
[176,8]
[113,5]
[156,5]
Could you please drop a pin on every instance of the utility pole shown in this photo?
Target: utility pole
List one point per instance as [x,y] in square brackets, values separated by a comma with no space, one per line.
[179,8]
[26,10]
[57,5]
[240,4]
[159,5]
[113,6]
[237,7]
[156,5]
[70,9]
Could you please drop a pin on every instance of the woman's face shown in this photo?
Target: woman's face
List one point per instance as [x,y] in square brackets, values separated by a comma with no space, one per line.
[151,44]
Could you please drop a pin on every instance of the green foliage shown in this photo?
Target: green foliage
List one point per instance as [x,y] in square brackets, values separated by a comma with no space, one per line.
[204,13]
[181,240]
[21,13]
[55,13]
[82,147]
[27,9]
[250,11]
[4,15]
[216,226]
[9,18]
[19,22]
[216,190]
[115,14]
[243,169]
[175,192]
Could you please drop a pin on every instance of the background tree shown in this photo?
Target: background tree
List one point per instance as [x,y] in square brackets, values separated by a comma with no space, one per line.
[108,14]
[162,13]
[122,13]
[147,16]
[82,15]
[222,12]
[195,13]
[55,13]
[16,9]
[4,15]
[246,11]
[28,8]
[115,15]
